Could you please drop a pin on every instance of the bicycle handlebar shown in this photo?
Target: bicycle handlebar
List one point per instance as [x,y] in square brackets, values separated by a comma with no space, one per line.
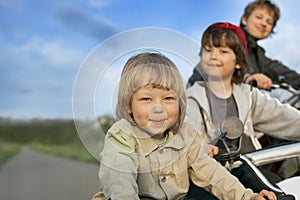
[287,87]
[274,154]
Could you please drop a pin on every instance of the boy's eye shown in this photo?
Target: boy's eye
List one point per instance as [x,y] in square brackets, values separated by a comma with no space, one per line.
[258,16]
[170,98]
[145,99]
[207,50]
[224,51]
[270,23]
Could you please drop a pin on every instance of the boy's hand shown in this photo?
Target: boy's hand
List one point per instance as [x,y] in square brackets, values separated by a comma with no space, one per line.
[211,150]
[262,81]
[266,195]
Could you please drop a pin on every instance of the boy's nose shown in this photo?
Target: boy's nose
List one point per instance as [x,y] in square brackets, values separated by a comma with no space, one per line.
[157,108]
[213,54]
[264,22]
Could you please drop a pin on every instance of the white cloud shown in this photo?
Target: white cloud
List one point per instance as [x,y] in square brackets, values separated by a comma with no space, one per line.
[40,52]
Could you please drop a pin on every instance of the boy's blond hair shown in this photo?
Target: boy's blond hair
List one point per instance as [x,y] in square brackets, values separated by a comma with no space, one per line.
[153,70]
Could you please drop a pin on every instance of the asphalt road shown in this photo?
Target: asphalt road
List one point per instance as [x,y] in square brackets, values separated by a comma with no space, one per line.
[34,176]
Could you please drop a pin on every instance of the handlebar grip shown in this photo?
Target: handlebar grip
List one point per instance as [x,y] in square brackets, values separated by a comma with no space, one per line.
[223,157]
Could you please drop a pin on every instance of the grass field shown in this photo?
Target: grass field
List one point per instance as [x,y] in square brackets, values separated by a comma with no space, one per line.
[7,150]
[53,136]
[74,152]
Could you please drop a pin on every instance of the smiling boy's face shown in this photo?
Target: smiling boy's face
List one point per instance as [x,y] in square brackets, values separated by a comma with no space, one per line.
[260,23]
[219,62]
[154,109]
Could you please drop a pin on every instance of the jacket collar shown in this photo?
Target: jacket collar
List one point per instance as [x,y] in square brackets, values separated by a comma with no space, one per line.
[148,145]
[251,41]
[198,91]
[239,92]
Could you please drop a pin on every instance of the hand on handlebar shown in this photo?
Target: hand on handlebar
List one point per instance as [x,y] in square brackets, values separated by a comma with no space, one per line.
[265,194]
[211,150]
[262,81]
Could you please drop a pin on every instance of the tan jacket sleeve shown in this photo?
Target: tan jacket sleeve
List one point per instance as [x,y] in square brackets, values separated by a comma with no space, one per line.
[118,167]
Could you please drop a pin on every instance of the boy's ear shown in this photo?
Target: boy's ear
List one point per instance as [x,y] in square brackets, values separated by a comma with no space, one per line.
[244,21]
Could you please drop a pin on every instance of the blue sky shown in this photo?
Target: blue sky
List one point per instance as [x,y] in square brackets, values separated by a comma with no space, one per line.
[44,44]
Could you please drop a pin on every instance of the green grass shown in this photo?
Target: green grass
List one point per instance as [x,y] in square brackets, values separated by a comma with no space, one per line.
[7,150]
[69,151]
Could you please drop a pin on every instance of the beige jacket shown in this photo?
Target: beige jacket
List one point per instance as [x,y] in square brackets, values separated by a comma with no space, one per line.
[134,167]
[259,113]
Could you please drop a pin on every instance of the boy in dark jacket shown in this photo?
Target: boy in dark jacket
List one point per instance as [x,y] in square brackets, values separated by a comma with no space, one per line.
[258,22]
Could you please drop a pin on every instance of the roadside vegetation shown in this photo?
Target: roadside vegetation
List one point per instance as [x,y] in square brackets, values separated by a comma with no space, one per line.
[7,150]
[55,136]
